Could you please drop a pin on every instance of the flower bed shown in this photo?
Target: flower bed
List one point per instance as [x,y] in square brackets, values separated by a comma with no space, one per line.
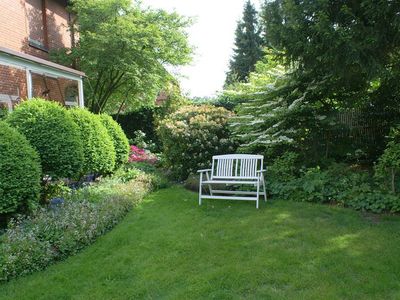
[140,155]
[53,233]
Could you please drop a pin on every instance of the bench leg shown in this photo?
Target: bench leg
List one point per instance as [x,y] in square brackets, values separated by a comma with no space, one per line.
[200,187]
[265,190]
[258,194]
[209,186]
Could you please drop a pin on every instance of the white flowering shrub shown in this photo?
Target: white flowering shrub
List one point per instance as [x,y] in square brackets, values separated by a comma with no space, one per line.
[192,135]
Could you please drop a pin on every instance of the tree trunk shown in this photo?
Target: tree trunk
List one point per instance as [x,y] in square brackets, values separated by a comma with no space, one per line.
[119,109]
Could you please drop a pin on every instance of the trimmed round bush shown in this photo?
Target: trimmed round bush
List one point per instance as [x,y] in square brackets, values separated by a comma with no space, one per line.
[192,135]
[99,152]
[120,141]
[53,134]
[20,172]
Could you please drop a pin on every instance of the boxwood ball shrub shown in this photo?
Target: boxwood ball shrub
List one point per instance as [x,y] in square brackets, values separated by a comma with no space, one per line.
[119,139]
[192,135]
[99,152]
[20,172]
[52,132]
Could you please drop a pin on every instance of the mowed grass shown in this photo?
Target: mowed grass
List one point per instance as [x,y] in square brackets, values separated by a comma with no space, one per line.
[170,248]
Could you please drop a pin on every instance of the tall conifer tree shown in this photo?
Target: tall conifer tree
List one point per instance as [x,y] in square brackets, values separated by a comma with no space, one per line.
[248,46]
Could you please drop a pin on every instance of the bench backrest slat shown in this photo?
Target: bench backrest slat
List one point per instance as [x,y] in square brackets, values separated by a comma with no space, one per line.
[237,166]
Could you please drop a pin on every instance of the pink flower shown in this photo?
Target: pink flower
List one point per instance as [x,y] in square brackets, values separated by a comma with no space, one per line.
[140,155]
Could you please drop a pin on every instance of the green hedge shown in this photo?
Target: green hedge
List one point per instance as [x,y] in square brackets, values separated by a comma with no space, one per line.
[20,172]
[120,141]
[99,152]
[192,135]
[142,119]
[53,133]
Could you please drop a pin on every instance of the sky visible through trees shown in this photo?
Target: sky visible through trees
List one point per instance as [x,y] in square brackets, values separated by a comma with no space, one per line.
[212,35]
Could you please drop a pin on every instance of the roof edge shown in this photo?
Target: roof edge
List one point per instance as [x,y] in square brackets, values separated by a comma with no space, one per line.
[41,61]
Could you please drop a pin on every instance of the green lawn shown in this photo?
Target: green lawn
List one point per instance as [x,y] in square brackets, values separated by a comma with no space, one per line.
[171,248]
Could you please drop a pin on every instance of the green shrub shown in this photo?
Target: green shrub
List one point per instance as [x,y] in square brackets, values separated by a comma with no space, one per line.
[338,184]
[120,141]
[99,152]
[142,119]
[281,172]
[192,135]
[3,112]
[20,171]
[53,133]
[388,165]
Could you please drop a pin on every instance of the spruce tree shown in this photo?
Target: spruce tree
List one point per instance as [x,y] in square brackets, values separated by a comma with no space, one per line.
[248,46]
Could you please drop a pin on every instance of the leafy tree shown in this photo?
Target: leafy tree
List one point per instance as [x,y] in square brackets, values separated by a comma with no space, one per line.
[248,46]
[124,49]
[341,45]
[270,105]
[330,56]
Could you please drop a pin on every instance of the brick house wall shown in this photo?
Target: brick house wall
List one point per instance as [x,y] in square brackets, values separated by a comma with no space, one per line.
[34,27]
[25,20]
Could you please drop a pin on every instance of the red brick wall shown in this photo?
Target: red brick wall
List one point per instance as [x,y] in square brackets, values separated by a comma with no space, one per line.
[23,19]
[13,29]
[59,35]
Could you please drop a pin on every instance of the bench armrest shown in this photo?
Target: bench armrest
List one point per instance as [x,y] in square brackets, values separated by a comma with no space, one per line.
[202,171]
[261,171]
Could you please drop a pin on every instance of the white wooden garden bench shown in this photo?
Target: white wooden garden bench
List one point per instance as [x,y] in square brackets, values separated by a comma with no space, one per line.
[231,170]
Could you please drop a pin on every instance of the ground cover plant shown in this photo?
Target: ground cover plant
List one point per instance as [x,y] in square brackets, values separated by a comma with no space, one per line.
[170,248]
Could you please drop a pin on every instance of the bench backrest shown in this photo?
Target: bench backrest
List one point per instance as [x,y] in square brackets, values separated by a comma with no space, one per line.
[236,166]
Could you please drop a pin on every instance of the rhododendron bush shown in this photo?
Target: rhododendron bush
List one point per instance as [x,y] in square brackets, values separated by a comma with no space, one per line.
[192,135]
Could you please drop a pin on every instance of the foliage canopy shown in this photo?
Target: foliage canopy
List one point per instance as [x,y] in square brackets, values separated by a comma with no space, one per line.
[124,49]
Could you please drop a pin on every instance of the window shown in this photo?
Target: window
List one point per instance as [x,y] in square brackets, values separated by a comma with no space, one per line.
[71,96]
